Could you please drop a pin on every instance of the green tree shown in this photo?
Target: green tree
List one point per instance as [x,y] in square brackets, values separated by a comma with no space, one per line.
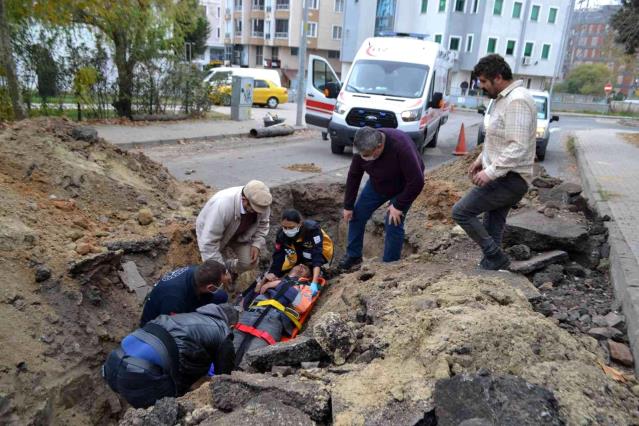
[46,70]
[625,24]
[8,64]
[586,79]
[199,35]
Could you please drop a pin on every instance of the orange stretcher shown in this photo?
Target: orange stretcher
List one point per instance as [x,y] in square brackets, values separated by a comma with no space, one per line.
[304,316]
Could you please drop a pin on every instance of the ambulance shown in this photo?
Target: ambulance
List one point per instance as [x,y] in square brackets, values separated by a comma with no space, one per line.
[395,81]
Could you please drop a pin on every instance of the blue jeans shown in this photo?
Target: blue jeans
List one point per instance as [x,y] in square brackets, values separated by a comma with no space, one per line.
[367,202]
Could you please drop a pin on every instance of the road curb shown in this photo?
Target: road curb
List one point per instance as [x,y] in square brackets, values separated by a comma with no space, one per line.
[162,142]
[624,266]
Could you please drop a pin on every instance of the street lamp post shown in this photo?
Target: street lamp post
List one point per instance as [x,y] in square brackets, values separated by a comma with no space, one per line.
[301,73]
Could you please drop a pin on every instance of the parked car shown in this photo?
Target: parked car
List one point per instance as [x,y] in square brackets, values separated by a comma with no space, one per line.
[265,93]
[256,73]
[544,118]
[395,81]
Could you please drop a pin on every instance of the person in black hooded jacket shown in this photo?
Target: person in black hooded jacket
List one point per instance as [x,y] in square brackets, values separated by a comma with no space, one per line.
[170,353]
[300,242]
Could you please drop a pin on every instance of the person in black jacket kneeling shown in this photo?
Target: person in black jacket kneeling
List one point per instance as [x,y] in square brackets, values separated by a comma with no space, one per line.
[170,353]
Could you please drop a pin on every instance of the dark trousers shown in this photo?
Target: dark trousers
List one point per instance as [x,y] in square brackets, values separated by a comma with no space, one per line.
[367,202]
[494,200]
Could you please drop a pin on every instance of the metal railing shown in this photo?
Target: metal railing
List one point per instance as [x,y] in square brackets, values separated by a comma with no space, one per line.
[281,34]
[282,5]
[258,6]
[259,34]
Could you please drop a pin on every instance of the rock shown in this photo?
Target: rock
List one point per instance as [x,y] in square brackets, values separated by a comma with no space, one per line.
[282,370]
[335,336]
[497,400]
[546,286]
[74,390]
[264,410]
[545,182]
[141,199]
[94,295]
[519,252]
[84,133]
[599,321]
[84,248]
[603,333]
[310,365]
[236,390]
[139,246]
[42,273]
[604,250]
[75,234]
[145,217]
[541,278]
[553,205]
[540,233]
[457,231]
[15,235]
[563,194]
[91,263]
[538,262]
[615,320]
[604,265]
[620,353]
[131,277]
[548,212]
[292,353]
[635,390]
[576,270]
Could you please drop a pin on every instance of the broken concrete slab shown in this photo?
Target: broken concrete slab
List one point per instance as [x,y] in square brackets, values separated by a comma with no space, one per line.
[335,336]
[263,410]
[498,400]
[539,261]
[519,252]
[236,390]
[620,353]
[565,231]
[131,277]
[292,353]
[90,264]
[139,246]
[517,281]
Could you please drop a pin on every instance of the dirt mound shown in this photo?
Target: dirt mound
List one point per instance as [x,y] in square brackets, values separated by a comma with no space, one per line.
[304,168]
[72,208]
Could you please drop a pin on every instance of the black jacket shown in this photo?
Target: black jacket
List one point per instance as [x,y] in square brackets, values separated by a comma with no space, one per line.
[174,294]
[306,247]
[202,337]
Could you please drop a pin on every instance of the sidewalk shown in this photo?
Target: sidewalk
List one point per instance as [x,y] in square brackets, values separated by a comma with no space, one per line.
[163,133]
[609,167]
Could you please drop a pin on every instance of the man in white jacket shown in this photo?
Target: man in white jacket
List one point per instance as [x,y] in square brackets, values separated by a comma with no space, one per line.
[235,218]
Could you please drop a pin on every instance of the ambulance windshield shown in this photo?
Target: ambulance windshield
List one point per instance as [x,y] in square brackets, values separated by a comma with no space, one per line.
[399,79]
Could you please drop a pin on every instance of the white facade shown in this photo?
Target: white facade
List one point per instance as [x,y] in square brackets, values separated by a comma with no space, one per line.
[214,10]
[470,27]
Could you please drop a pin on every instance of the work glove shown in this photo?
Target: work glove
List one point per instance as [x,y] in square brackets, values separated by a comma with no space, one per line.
[315,288]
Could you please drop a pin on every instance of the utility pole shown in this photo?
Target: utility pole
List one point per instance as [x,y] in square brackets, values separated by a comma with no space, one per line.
[301,73]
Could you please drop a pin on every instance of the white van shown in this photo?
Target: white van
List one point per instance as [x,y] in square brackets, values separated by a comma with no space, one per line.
[256,73]
[395,82]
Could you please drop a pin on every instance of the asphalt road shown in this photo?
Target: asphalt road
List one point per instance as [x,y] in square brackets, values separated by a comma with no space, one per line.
[233,161]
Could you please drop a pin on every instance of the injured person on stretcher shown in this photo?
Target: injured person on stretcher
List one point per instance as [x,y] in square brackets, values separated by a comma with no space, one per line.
[273,310]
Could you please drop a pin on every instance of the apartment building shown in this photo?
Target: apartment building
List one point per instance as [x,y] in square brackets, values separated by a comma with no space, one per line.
[591,41]
[266,33]
[214,11]
[528,33]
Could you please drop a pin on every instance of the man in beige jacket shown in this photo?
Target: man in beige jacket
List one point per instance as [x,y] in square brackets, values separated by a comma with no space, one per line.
[235,218]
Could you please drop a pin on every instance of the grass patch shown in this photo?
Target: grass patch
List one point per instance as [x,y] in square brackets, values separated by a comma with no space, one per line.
[571,146]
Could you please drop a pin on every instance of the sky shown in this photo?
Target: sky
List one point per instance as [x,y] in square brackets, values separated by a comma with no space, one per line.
[595,3]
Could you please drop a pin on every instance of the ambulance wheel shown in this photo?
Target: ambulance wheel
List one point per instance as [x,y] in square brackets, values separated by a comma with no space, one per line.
[336,147]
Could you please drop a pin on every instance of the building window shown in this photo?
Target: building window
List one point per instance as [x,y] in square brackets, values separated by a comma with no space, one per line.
[517,10]
[545,51]
[294,51]
[238,27]
[275,52]
[424,6]
[258,28]
[469,42]
[337,32]
[510,47]
[258,4]
[385,16]
[460,5]
[339,5]
[552,15]
[219,12]
[438,38]
[238,4]
[492,45]
[259,55]
[475,6]
[534,13]
[333,54]
[218,32]
[528,49]
[442,6]
[281,28]
[497,7]
[311,30]
[313,4]
[454,42]
[281,5]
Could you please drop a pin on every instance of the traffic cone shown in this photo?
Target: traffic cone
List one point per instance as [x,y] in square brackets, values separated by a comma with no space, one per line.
[460,149]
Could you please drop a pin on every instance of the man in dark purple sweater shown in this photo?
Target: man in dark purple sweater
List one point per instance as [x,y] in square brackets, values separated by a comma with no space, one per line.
[396,174]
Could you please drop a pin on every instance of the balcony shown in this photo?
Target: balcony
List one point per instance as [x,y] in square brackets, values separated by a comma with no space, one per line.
[257,34]
[267,36]
[258,6]
[281,34]
[237,34]
[282,5]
